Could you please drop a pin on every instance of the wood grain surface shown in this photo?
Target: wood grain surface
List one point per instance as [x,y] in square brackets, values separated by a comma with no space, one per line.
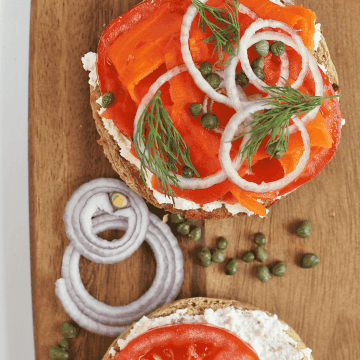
[321,304]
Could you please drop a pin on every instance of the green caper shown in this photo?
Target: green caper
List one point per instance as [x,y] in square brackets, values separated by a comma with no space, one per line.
[205,68]
[263,273]
[187,172]
[241,79]
[183,229]
[209,121]
[195,109]
[58,353]
[218,256]
[304,229]
[275,149]
[310,261]
[64,344]
[277,48]
[222,243]
[259,72]
[260,239]
[68,331]
[195,234]
[176,218]
[279,269]
[248,257]
[232,267]
[107,99]
[258,62]
[261,254]
[206,263]
[262,47]
[214,80]
[205,254]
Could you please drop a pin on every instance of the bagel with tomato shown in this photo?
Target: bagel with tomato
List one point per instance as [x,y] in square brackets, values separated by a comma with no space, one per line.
[210,329]
[177,112]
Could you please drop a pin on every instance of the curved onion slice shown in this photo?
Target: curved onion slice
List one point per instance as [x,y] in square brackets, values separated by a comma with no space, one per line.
[225,148]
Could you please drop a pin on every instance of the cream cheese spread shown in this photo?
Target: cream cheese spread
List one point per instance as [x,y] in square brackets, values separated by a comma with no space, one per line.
[264,333]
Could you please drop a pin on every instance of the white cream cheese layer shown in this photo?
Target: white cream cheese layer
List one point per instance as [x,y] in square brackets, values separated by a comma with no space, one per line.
[264,333]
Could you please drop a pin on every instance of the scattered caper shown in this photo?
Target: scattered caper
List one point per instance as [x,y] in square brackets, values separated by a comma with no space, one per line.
[262,47]
[107,99]
[259,72]
[58,353]
[187,172]
[232,267]
[183,229]
[222,243]
[248,257]
[279,269]
[68,331]
[176,218]
[258,62]
[205,254]
[275,149]
[206,263]
[64,344]
[205,68]
[263,273]
[209,121]
[218,256]
[260,239]
[277,48]
[195,234]
[214,80]
[310,261]
[261,254]
[195,109]
[241,79]
[304,229]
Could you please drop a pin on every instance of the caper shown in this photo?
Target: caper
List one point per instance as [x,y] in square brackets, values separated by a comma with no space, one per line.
[58,353]
[259,72]
[205,254]
[187,172]
[206,263]
[260,239]
[263,273]
[309,261]
[107,99]
[205,68]
[218,256]
[195,234]
[176,218]
[195,109]
[241,79]
[248,257]
[275,149]
[304,229]
[262,47]
[68,331]
[232,267]
[258,62]
[261,254]
[214,80]
[209,121]
[277,48]
[183,229]
[222,243]
[64,344]
[279,269]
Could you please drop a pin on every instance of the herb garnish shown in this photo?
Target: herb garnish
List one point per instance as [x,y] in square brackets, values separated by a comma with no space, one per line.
[159,146]
[225,29]
[287,102]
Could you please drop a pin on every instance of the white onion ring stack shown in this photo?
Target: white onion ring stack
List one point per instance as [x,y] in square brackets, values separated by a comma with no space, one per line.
[91,313]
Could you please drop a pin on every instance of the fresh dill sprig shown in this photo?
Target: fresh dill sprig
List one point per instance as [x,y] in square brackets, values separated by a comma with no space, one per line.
[225,30]
[160,147]
[287,102]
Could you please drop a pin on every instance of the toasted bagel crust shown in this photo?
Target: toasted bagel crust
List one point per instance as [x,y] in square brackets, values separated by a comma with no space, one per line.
[197,306]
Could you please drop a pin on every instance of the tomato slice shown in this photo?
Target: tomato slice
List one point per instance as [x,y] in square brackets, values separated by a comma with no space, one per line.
[187,342]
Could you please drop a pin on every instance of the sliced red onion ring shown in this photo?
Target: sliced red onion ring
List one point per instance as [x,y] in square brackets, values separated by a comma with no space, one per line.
[226,144]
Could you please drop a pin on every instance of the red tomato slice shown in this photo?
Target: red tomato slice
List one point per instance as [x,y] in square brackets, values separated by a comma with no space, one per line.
[187,342]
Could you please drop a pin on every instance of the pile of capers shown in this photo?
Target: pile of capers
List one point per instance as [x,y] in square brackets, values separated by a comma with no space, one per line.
[184,227]
[60,352]
[310,260]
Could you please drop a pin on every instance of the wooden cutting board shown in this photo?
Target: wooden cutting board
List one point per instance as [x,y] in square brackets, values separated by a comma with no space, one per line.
[321,304]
